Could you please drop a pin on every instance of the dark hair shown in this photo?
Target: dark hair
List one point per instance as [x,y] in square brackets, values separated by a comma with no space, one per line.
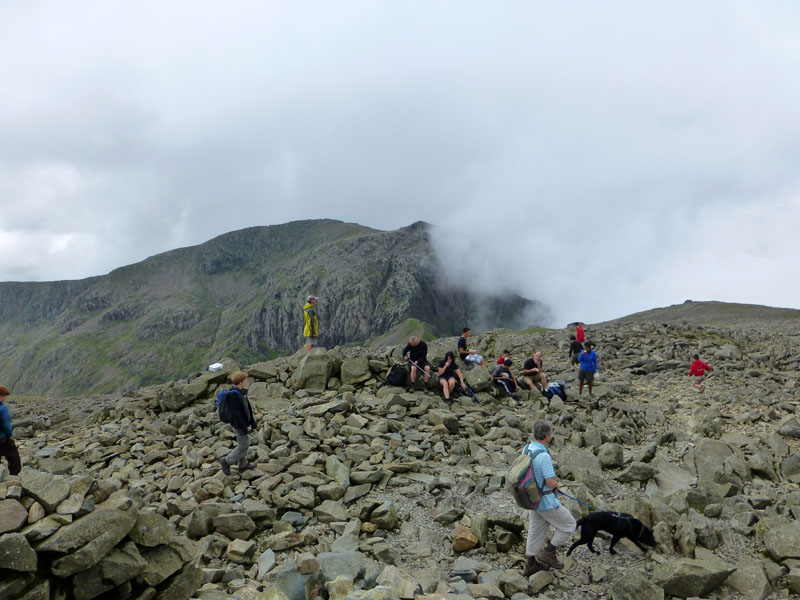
[587,345]
[465,330]
[572,337]
[508,362]
[449,354]
[506,352]
[696,356]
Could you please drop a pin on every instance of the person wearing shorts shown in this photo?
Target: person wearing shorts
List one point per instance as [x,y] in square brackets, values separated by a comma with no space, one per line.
[448,371]
[416,353]
[464,353]
[587,367]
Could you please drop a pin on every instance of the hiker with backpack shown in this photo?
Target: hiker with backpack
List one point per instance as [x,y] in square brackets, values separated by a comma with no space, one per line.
[448,370]
[549,510]
[234,408]
[8,449]
[416,352]
[310,323]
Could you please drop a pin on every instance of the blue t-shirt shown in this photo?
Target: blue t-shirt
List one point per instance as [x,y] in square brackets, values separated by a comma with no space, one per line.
[587,361]
[6,431]
[543,469]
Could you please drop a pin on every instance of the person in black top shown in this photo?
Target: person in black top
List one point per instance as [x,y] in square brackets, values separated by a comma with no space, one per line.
[241,419]
[464,353]
[416,352]
[575,349]
[533,372]
[448,370]
[503,377]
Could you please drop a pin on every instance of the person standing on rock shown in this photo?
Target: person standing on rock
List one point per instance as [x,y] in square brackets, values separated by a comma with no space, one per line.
[580,335]
[533,372]
[550,510]
[698,370]
[310,323]
[416,351]
[242,419]
[8,449]
[587,367]
[448,370]
[464,353]
[575,348]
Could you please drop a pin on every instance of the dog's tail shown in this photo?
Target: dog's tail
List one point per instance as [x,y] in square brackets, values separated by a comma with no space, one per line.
[579,522]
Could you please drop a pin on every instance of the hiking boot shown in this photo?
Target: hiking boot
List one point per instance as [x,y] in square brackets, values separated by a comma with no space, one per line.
[548,557]
[247,467]
[533,566]
[226,469]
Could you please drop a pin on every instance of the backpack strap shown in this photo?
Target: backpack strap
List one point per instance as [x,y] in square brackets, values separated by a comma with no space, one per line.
[533,454]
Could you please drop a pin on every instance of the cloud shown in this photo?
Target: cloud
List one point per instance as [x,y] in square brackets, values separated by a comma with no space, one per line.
[587,156]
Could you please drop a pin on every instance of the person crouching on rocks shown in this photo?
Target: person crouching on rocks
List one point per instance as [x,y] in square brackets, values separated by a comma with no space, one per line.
[241,419]
[448,370]
[550,510]
[8,449]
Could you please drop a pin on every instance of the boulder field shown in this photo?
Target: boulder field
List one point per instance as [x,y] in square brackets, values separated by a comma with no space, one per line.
[366,491]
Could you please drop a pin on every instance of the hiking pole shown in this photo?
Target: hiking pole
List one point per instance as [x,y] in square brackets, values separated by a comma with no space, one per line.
[425,374]
[469,389]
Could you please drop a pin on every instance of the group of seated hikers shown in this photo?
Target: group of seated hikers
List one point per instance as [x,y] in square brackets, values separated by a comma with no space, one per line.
[450,375]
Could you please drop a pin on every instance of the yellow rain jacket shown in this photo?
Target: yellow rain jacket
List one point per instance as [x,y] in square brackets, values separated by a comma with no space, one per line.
[311,327]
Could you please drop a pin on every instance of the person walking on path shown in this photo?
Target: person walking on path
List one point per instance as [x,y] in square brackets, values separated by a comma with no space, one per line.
[550,510]
[448,370]
[575,348]
[241,419]
[310,323]
[416,352]
[587,367]
[698,370]
[8,449]
[464,353]
[580,335]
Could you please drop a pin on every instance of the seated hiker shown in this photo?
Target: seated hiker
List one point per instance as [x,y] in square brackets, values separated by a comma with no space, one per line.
[464,353]
[533,372]
[506,354]
[575,348]
[416,352]
[504,378]
[448,371]
[698,370]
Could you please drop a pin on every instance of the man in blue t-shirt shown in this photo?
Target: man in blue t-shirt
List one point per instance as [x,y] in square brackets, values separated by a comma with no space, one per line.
[550,511]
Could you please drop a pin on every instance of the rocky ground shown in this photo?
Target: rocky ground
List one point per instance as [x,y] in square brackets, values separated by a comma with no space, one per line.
[363,490]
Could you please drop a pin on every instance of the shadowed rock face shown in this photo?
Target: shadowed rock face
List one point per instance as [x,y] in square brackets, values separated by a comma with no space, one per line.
[238,295]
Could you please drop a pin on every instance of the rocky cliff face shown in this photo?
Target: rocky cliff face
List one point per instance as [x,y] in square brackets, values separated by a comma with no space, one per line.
[238,295]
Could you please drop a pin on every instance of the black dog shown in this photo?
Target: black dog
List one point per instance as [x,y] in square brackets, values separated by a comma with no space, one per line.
[619,525]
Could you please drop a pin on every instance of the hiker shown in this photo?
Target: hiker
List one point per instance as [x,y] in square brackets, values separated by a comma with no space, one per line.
[580,335]
[311,325]
[533,372]
[698,370]
[8,449]
[504,378]
[550,510]
[464,353]
[575,348]
[241,419]
[587,367]
[448,370]
[506,354]
[416,351]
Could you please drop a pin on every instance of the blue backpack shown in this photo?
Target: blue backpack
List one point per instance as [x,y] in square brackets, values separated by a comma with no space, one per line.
[224,405]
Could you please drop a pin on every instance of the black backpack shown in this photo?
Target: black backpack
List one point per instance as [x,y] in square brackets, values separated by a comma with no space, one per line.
[224,406]
[397,376]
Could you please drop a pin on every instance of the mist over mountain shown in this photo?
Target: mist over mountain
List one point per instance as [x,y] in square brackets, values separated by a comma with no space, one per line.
[239,295]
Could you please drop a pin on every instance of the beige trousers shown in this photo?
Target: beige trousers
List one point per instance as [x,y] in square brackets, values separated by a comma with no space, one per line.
[539,521]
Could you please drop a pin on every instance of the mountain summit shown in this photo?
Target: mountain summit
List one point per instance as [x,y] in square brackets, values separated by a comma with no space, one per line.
[239,295]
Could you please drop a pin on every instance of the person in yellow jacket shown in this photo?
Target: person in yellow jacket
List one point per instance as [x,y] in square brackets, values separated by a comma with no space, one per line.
[311,326]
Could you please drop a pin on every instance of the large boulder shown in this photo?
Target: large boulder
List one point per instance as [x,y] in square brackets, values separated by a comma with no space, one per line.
[47,489]
[636,585]
[314,370]
[12,515]
[355,370]
[478,378]
[688,577]
[16,553]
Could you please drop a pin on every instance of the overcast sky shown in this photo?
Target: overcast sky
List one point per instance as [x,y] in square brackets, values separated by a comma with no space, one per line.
[601,157]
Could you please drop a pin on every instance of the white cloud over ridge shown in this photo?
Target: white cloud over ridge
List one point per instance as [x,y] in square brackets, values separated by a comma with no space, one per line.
[600,158]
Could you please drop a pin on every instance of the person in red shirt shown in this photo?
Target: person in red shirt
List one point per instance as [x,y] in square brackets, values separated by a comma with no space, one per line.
[580,336]
[506,354]
[698,370]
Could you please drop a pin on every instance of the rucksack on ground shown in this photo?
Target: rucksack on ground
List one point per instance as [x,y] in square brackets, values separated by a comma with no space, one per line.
[397,376]
[224,406]
[522,482]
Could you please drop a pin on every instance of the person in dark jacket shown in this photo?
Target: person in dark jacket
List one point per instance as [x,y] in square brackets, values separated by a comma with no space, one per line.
[416,351]
[241,420]
[8,449]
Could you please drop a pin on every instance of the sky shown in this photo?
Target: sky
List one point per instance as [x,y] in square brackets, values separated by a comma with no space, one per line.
[599,157]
